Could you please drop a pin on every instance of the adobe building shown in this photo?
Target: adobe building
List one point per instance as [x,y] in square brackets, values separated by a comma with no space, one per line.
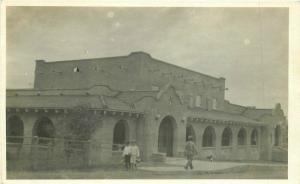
[138,97]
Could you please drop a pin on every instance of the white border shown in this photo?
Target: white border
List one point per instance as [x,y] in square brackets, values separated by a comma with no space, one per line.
[294,78]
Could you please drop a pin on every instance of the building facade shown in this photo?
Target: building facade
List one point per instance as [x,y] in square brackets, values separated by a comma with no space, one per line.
[141,98]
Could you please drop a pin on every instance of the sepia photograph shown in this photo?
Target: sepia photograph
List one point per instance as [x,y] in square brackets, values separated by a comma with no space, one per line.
[146,92]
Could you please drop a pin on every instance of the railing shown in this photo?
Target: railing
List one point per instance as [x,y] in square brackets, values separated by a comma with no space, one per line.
[118,147]
[47,151]
[45,141]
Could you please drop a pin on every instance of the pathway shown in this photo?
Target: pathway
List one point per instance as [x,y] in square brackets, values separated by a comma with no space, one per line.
[176,164]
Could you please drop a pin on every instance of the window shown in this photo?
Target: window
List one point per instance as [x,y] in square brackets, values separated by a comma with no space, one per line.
[155,88]
[198,101]
[76,69]
[214,104]
[227,137]
[209,137]
[242,137]
[254,137]
[190,132]
[191,101]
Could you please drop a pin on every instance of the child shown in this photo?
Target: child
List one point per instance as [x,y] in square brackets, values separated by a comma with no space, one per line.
[135,154]
[126,155]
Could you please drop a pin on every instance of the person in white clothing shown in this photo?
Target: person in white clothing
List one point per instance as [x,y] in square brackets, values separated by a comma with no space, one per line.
[126,155]
[134,154]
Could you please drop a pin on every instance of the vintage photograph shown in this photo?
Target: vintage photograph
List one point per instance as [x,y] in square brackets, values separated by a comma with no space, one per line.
[147,92]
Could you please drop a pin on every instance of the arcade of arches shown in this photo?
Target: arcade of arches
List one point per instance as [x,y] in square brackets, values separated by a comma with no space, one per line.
[206,137]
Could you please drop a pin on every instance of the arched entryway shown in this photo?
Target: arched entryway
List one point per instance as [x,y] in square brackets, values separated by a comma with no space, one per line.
[120,135]
[209,137]
[166,135]
[190,132]
[227,137]
[14,129]
[44,130]
[277,136]
[254,137]
[242,137]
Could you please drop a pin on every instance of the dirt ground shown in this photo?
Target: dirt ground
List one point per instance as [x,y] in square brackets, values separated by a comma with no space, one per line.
[252,172]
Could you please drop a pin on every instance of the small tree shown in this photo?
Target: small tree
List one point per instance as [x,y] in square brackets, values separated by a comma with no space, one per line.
[82,123]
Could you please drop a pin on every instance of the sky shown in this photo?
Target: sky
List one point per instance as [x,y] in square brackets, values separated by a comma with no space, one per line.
[246,46]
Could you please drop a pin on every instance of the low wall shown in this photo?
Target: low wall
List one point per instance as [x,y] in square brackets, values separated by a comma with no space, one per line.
[229,153]
[46,156]
[279,155]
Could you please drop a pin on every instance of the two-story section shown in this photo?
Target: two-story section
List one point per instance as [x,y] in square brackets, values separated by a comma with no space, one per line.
[138,71]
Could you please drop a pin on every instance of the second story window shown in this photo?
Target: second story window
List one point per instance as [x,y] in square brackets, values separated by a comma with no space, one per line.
[75,69]
[198,101]
[214,104]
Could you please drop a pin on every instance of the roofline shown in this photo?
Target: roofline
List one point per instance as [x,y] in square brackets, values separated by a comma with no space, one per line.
[85,59]
[69,108]
[79,89]
[181,67]
[127,56]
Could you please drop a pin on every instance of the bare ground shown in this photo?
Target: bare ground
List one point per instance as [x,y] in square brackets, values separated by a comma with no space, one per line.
[250,172]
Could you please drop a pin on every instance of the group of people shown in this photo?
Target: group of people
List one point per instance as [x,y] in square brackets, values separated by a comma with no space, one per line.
[131,155]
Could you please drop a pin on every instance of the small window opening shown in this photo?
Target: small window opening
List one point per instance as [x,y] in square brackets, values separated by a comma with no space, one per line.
[198,101]
[76,69]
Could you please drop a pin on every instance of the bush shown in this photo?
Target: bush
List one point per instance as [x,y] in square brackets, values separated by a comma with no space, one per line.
[82,123]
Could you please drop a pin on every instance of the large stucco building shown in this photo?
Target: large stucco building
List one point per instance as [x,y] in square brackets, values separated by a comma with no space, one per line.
[139,97]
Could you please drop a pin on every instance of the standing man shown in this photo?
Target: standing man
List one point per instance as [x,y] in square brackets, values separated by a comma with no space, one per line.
[126,155]
[189,152]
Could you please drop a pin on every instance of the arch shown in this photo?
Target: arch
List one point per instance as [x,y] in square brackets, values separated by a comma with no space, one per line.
[166,135]
[120,135]
[254,137]
[227,137]
[14,129]
[277,135]
[242,137]
[209,137]
[44,129]
[190,132]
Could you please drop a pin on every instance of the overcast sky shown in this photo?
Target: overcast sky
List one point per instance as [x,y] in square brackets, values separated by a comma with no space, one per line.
[247,46]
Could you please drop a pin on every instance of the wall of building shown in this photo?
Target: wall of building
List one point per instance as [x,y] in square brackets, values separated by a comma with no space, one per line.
[137,71]
[189,83]
[91,72]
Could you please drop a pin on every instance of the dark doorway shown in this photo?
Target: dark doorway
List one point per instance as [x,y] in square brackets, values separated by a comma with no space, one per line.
[190,132]
[242,137]
[120,135]
[254,137]
[166,136]
[227,137]
[277,136]
[14,130]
